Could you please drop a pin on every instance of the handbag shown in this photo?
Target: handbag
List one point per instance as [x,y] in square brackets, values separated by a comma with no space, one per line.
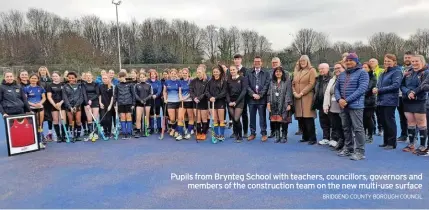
[276,118]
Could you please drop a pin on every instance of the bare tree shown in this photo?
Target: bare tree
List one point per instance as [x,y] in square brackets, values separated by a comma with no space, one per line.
[212,40]
[419,42]
[306,40]
[342,47]
[383,43]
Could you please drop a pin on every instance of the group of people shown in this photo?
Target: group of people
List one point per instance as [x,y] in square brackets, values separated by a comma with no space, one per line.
[349,100]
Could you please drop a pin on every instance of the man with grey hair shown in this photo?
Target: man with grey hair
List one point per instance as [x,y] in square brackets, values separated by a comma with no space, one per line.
[320,88]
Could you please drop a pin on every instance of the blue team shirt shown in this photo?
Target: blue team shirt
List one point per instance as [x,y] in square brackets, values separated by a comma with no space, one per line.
[172,90]
[34,94]
[184,84]
[156,87]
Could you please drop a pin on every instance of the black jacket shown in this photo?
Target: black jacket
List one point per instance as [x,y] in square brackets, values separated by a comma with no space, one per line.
[263,81]
[124,94]
[92,91]
[45,81]
[13,99]
[236,90]
[319,91]
[370,99]
[73,98]
[216,89]
[197,88]
[143,92]
[106,94]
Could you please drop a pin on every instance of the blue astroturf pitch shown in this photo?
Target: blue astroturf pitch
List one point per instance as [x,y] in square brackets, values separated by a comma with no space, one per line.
[136,173]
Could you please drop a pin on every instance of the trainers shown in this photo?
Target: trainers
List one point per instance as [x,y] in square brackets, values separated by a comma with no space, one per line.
[324,142]
[357,156]
[409,148]
[187,136]
[369,140]
[332,143]
[423,152]
[42,146]
[179,137]
[420,149]
[221,138]
[251,137]
[49,137]
[402,139]
[344,153]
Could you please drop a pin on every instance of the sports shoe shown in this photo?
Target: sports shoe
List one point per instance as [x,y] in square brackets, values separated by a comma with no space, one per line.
[409,148]
[402,139]
[179,138]
[332,143]
[49,137]
[344,153]
[187,136]
[324,142]
[420,149]
[423,152]
[357,156]
[42,146]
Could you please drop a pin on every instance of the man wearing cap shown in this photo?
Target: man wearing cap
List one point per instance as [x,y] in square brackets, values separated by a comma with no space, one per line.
[350,94]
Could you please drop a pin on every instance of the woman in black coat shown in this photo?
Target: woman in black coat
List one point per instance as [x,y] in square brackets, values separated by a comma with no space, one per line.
[370,105]
[12,97]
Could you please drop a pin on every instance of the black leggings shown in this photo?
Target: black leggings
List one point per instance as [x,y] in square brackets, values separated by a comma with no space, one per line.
[106,122]
[368,122]
[337,127]
[235,115]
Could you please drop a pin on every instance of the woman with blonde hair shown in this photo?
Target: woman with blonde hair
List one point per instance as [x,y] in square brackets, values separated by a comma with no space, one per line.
[197,90]
[45,80]
[171,98]
[302,85]
[414,89]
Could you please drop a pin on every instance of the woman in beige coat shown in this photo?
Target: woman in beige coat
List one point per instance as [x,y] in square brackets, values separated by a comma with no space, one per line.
[303,83]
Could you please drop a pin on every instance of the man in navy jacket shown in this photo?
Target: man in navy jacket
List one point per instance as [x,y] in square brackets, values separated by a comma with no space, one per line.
[350,94]
[259,82]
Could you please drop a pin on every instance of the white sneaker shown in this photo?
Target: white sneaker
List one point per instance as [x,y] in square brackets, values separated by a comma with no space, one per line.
[42,146]
[324,142]
[332,143]
[188,136]
[179,137]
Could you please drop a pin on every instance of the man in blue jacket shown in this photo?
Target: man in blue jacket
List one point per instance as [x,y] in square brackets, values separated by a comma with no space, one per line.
[350,93]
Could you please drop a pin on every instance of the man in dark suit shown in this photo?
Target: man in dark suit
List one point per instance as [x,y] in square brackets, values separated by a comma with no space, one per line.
[259,82]
[238,59]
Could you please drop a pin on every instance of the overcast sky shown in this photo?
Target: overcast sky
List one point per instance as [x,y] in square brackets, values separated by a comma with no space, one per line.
[345,20]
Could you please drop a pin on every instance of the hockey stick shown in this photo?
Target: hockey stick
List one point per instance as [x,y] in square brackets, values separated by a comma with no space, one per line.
[196,133]
[100,129]
[164,122]
[118,125]
[214,139]
[63,123]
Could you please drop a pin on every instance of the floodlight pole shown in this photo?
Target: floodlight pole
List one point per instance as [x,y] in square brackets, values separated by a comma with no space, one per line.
[117,28]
